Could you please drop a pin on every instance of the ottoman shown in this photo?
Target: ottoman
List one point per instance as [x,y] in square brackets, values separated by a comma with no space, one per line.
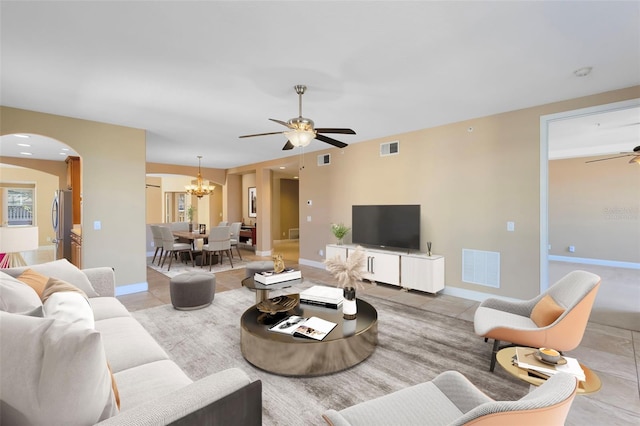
[258,266]
[192,290]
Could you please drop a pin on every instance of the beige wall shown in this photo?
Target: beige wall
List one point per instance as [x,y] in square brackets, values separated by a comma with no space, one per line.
[45,185]
[113,182]
[469,184]
[595,207]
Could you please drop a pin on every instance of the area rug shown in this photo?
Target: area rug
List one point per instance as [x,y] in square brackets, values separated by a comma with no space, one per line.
[414,347]
[178,267]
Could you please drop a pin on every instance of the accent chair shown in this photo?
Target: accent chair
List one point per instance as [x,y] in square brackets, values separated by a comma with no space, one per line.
[451,399]
[554,319]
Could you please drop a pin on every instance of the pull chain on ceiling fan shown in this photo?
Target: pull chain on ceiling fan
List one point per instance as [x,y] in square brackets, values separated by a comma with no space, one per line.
[301,129]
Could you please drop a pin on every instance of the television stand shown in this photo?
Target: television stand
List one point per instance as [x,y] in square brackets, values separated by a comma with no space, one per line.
[413,271]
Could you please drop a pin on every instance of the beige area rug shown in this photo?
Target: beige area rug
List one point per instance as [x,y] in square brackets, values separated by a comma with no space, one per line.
[414,346]
[179,267]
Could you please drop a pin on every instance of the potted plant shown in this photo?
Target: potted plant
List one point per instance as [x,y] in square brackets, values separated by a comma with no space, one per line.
[339,230]
[190,212]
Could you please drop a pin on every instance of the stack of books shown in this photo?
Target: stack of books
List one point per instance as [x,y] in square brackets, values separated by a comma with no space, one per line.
[272,277]
[319,295]
[526,359]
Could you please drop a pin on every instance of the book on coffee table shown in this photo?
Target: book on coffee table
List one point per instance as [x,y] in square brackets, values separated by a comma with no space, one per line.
[526,359]
[272,277]
[310,328]
[320,295]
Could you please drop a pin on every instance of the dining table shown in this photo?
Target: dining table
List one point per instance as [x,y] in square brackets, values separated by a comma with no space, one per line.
[191,236]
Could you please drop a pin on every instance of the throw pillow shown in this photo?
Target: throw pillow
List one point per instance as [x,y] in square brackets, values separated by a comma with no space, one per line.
[34,280]
[55,285]
[70,307]
[546,311]
[61,269]
[16,297]
[53,373]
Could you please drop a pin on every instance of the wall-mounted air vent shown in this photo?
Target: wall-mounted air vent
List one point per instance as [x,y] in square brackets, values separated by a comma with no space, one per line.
[481,267]
[389,148]
[324,159]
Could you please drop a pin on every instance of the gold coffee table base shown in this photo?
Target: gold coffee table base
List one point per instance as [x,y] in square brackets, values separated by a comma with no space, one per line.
[505,356]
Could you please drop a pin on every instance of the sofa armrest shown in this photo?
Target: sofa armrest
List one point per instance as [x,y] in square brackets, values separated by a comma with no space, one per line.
[103,280]
[227,397]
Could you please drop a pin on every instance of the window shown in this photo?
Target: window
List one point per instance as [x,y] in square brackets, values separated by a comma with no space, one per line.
[20,206]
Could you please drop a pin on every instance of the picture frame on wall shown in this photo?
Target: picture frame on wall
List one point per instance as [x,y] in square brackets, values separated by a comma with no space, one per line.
[253,210]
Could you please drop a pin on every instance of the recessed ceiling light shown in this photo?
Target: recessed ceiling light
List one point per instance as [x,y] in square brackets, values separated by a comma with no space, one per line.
[26,153]
[282,167]
[23,144]
[63,153]
[295,177]
[22,136]
[583,72]
[65,149]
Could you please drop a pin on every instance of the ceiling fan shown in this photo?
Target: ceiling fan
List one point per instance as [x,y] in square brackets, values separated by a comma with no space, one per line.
[301,131]
[635,153]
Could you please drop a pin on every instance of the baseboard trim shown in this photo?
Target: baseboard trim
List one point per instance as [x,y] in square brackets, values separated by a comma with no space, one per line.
[132,288]
[312,263]
[263,253]
[474,295]
[599,262]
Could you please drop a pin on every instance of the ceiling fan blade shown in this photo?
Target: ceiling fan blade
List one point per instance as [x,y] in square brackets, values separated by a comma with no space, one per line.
[331,141]
[608,158]
[284,123]
[335,130]
[260,134]
[287,146]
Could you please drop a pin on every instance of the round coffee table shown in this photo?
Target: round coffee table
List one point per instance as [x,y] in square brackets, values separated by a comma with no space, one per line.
[349,343]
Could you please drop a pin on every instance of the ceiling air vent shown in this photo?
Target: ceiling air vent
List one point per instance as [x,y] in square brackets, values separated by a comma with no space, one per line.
[389,148]
[324,159]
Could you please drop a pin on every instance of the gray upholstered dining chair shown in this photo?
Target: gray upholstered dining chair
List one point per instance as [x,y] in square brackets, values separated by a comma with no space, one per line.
[451,399]
[235,237]
[157,242]
[219,242]
[223,223]
[171,248]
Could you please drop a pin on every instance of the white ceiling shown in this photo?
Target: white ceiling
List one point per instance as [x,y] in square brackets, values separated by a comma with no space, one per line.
[196,75]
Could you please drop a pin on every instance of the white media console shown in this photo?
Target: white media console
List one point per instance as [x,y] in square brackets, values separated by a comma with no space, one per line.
[416,271]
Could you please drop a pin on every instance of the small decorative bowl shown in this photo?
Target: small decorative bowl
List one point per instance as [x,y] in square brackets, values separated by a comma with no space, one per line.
[549,355]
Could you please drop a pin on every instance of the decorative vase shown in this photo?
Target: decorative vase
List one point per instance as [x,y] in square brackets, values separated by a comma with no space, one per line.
[340,241]
[349,306]
[190,227]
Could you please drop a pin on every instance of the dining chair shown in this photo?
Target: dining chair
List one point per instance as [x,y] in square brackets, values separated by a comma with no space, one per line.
[219,242]
[223,223]
[157,242]
[235,237]
[172,248]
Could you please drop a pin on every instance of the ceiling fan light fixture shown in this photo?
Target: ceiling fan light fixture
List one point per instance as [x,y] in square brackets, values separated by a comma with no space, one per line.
[300,137]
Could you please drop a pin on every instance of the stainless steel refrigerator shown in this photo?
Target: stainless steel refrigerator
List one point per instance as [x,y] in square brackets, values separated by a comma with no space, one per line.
[62,221]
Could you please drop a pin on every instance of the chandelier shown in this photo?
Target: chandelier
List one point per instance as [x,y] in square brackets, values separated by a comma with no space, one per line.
[198,187]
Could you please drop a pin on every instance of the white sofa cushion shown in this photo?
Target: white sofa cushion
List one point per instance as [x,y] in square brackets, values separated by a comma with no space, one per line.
[128,344]
[107,307]
[148,382]
[16,296]
[53,373]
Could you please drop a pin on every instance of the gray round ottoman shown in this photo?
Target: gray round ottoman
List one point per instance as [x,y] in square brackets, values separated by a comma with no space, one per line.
[192,290]
[258,266]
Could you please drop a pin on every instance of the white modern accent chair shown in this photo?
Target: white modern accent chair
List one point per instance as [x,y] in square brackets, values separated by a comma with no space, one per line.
[451,399]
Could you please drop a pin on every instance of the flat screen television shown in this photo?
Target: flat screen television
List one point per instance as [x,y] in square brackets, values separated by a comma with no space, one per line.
[389,226]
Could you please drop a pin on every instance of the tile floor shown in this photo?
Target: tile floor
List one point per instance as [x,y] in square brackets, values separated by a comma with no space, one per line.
[612,352]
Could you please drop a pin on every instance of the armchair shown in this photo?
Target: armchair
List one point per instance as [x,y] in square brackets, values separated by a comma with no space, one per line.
[555,319]
[451,399]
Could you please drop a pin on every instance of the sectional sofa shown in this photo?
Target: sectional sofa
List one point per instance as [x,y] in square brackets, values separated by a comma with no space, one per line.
[66,361]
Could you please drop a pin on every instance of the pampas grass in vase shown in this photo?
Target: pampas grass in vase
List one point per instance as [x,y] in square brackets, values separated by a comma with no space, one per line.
[349,274]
